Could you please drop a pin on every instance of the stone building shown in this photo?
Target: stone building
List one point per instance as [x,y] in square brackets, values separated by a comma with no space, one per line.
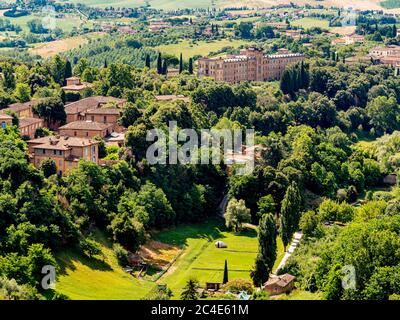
[250,65]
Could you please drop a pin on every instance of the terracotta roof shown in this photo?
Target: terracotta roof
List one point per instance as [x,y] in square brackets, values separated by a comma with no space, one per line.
[24,122]
[86,125]
[90,103]
[20,106]
[281,281]
[77,87]
[5,116]
[60,143]
[103,111]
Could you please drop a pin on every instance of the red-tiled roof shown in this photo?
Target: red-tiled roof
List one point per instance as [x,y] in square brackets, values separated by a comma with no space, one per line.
[86,125]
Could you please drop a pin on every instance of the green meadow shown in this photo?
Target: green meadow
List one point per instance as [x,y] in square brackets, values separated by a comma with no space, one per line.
[203,261]
[84,278]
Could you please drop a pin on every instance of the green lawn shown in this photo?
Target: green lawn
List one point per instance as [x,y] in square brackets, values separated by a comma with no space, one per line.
[307,23]
[200,48]
[298,294]
[82,278]
[203,261]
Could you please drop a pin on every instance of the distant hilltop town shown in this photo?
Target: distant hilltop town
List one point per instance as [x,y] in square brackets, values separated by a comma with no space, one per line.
[250,65]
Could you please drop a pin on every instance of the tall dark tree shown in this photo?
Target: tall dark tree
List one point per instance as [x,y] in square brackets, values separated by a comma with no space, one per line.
[190,68]
[290,213]
[52,111]
[164,67]
[159,64]
[147,61]
[286,83]
[266,250]
[105,63]
[68,69]
[180,64]
[225,279]
[394,31]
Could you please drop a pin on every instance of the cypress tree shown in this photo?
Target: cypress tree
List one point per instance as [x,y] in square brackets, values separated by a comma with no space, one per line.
[68,69]
[266,250]
[290,213]
[225,280]
[191,66]
[285,82]
[180,64]
[147,61]
[105,63]
[164,69]
[394,31]
[159,64]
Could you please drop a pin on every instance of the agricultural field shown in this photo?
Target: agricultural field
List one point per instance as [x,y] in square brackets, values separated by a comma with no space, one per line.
[307,23]
[203,261]
[200,48]
[50,49]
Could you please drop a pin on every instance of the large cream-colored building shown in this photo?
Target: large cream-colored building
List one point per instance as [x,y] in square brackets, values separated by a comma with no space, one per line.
[250,65]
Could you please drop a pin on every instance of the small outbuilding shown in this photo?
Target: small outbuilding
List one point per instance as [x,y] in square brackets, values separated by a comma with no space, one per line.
[280,284]
[213,286]
[221,244]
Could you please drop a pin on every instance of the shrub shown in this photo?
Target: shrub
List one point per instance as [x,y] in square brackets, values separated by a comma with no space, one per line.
[121,254]
[237,285]
[90,247]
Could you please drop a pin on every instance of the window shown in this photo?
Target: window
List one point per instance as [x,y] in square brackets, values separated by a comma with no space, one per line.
[54,152]
[75,133]
[105,119]
[92,118]
[3,124]
[43,151]
[60,163]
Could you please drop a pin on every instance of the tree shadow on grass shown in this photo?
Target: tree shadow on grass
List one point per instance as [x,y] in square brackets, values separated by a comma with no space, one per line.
[66,261]
[247,232]
[210,230]
[66,258]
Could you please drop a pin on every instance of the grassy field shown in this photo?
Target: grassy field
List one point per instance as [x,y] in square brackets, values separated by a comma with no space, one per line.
[298,294]
[307,23]
[83,278]
[201,48]
[49,49]
[203,261]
